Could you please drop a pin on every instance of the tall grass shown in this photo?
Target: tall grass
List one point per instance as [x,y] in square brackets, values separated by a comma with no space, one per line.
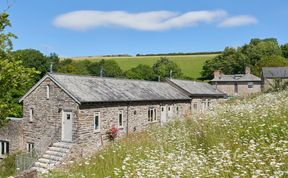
[7,166]
[244,138]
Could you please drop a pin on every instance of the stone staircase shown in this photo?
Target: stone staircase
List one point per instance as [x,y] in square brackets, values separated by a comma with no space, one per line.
[52,157]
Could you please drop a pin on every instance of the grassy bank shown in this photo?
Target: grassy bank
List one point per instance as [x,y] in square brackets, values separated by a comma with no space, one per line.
[243,138]
[191,65]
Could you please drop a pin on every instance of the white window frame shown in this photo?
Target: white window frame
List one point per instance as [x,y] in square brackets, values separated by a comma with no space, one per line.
[47,92]
[31,115]
[30,146]
[195,106]
[99,122]
[6,150]
[152,117]
[120,124]
[250,84]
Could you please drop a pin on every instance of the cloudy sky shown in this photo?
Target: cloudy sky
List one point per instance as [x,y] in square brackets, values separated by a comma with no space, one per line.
[82,28]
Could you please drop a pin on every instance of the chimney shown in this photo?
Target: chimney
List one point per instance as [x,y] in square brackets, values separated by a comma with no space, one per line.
[247,70]
[217,74]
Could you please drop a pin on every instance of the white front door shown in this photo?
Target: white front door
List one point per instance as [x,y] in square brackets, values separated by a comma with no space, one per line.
[67,122]
[163,114]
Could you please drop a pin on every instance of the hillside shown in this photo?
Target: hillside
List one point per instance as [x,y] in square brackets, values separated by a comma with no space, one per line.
[241,138]
[191,65]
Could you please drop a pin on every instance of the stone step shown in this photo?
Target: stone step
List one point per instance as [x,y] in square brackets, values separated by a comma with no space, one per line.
[41,170]
[52,157]
[47,161]
[55,153]
[59,149]
[63,145]
[43,165]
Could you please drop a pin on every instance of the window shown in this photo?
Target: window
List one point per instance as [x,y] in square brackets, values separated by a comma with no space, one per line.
[31,115]
[250,84]
[4,148]
[195,106]
[152,114]
[235,87]
[120,119]
[177,111]
[47,92]
[30,147]
[97,121]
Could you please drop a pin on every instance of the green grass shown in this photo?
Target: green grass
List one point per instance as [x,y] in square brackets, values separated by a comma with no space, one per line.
[243,138]
[7,166]
[191,65]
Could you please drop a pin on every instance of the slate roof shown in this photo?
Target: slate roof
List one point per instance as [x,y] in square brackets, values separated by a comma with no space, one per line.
[197,88]
[101,89]
[275,72]
[237,77]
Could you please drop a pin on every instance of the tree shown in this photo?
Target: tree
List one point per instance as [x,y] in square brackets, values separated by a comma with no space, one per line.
[141,72]
[273,61]
[5,38]
[14,81]
[14,77]
[35,59]
[234,60]
[110,68]
[163,67]
[284,49]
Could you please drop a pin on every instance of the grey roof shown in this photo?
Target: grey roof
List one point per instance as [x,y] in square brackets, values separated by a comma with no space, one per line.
[197,88]
[98,89]
[275,72]
[237,77]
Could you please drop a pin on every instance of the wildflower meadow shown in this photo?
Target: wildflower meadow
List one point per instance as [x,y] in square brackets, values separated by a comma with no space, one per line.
[239,138]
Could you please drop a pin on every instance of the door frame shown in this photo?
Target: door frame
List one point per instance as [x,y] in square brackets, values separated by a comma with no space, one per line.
[63,126]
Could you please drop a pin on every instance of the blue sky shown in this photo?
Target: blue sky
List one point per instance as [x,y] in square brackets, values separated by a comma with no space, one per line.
[82,28]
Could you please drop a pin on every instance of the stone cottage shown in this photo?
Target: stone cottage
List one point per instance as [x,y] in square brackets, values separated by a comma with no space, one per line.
[64,109]
[271,75]
[203,95]
[237,84]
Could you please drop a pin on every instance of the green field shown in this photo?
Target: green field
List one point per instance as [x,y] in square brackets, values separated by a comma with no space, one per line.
[191,65]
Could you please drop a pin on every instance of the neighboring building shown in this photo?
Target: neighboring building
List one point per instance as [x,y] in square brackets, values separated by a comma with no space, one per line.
[237,84]
[203,95]
[270,75]
[11,137]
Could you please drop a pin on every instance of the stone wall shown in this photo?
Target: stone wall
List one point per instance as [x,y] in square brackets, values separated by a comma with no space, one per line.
[135,118]
[204,104]
[243,90]
[47,113]
[13,133]
[269,83]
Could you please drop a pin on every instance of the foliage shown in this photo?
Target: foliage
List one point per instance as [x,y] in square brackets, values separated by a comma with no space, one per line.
[35,59]
[7,166]
[74,67]
[243,138]
[14,81]
[272,61]
[284,49]
[141,72]
[109,68]
[5,38]
[163,67]
[234,60]
[112,133]
[278,84]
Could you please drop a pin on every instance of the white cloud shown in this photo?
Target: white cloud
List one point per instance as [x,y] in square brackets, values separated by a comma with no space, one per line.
[240,20]
[146,21]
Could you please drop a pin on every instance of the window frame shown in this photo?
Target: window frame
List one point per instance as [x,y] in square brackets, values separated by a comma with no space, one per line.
[250,85]
[30,147]
[4,148]
[47,92]
[99,122]
[31,114]
[152,114]
[122,121]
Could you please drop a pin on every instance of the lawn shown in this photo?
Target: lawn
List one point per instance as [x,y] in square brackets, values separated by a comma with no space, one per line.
[240,138]
[191,65]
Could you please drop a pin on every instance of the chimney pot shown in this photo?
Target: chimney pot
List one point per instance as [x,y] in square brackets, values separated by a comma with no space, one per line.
[217,74]
[247,70]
